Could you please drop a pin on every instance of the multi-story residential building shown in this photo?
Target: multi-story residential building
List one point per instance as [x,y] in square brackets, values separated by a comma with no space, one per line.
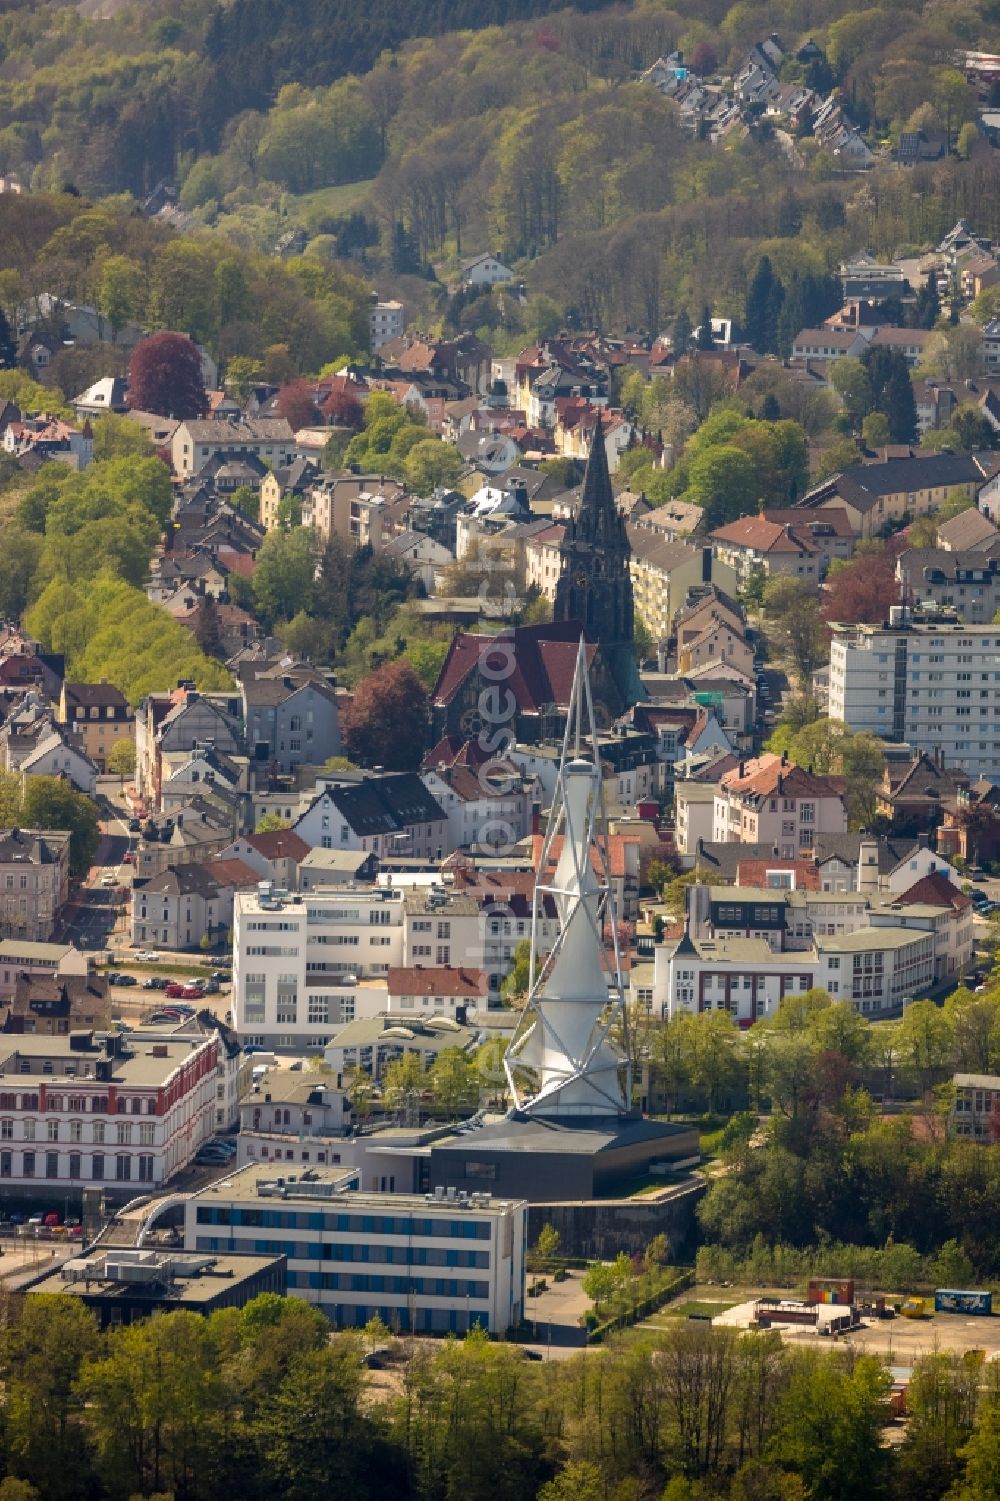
[34,882]
[190,835]
[274,855]
[439,990]
[975,1109]
[386,320]
[287,1117]
[894,490]
[355,507]
[443,926]
[632,770]
[55,1005]
[22,956]
[294,956]
[718,645]
[100,714]
[84,1111]
[185,904]
[169,726]
[196,443]
[798,918]
[487,810]
[431,1263]
[926,680]
[664,572]
[877,968]
[233,1070]
[385,815]
[770,799]
[967,582]
[543,560]
[291,720]
[694,814]
[755,545]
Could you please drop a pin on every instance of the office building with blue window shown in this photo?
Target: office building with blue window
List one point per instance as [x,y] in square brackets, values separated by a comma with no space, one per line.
[431,1263]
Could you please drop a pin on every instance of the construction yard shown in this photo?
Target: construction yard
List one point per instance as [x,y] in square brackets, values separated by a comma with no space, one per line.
[899,1340]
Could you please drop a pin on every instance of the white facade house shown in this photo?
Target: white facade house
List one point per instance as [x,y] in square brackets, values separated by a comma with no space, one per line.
[485,813]
[386,815]
[435,1263]
[928,682]
[694,814]
[294,957]
[290,1117]
[877,968]
[123,1115]
[485,271]
[386,320]
[54,756]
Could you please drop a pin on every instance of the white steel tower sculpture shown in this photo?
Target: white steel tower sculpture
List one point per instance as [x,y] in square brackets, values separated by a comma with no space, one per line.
[562,1061]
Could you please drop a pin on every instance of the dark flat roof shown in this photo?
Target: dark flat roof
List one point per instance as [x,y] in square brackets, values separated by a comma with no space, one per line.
[586,1137]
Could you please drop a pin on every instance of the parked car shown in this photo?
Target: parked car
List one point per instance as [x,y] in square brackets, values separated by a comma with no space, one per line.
[149,956]
[167,1015]
[182,1008]
[192,992]
[112,977]
[174,988]
[127,980]
[110,879]
[229,1147]
[211,987]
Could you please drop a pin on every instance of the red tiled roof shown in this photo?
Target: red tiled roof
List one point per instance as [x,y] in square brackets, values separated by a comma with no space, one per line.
[231,872]
[936,890]
[439,980]
[542,660]
[616,852]
[754,872]
[452,750]
[279,844]
[761,776]
[764,536]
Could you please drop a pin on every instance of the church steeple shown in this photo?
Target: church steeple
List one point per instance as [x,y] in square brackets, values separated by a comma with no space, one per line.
[595,586]
[597,501]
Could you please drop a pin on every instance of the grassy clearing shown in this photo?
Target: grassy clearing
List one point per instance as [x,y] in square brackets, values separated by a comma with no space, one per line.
[342,199]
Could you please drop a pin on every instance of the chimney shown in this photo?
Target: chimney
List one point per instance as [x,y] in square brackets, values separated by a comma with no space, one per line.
[784,758]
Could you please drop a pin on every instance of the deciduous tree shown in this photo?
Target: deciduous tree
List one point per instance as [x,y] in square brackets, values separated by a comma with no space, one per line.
[386,721]
[164,376]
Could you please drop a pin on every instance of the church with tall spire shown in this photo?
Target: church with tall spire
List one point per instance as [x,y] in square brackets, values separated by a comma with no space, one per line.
[595,586]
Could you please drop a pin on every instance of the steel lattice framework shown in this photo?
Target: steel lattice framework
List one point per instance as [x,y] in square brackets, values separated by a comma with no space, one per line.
[562,1060]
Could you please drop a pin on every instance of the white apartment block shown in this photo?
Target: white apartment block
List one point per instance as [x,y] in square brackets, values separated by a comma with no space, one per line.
[120,1114]
[296,957]
[435,1263]
[929,682]
[386,320]
[876,968]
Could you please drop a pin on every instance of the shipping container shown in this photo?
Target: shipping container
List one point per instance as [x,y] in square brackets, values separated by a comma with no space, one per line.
[955,1300]
[836,1290]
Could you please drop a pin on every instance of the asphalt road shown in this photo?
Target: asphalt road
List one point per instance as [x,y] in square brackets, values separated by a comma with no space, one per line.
[95,910]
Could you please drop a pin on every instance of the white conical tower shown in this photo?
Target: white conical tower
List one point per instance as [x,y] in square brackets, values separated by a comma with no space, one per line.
[561,1061]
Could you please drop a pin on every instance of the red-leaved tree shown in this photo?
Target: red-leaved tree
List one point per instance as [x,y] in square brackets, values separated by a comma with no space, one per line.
[164,376]
[861,593]
[344,410]
[295,403]
[385,723]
